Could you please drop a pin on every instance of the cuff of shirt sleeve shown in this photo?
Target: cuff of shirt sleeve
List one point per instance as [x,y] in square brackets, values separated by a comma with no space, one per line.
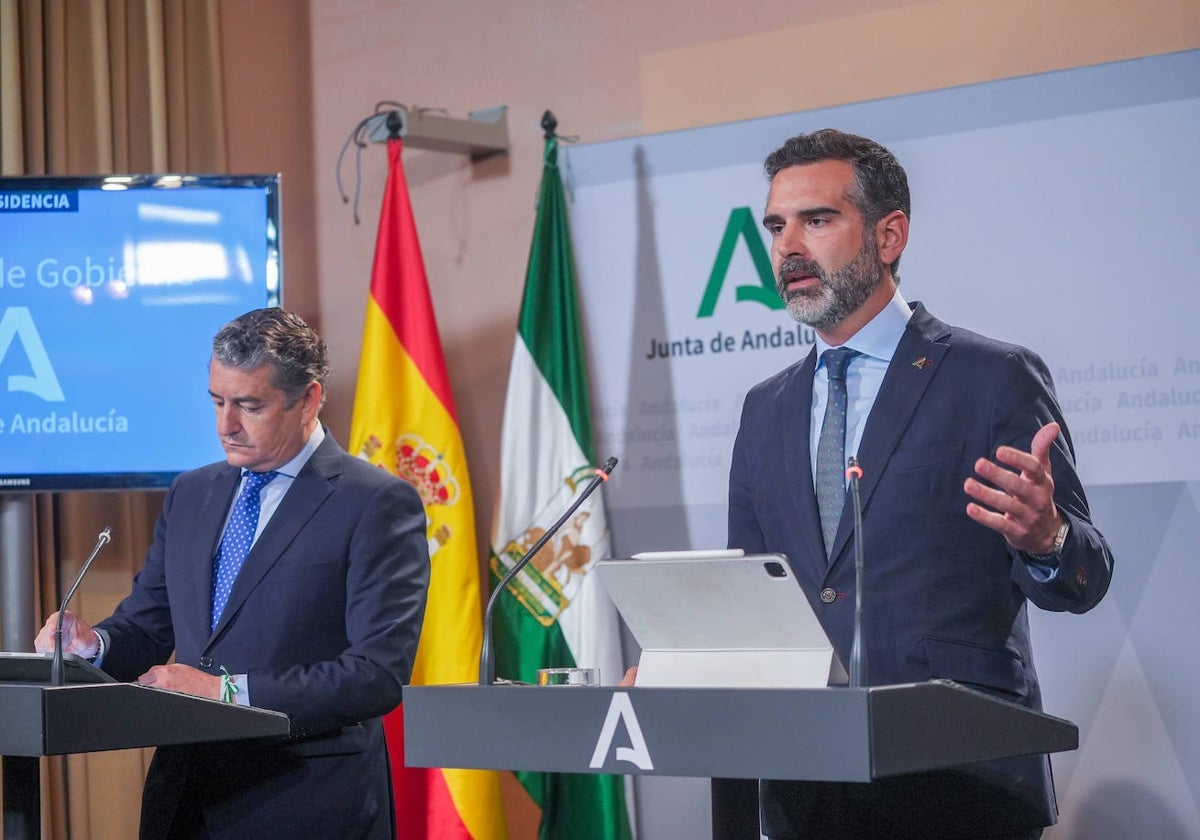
[242,698]
[101,647]
[1043,567]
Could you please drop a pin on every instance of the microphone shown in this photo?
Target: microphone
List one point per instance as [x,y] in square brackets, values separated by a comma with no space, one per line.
[858,650]
[56,664]
[487,656]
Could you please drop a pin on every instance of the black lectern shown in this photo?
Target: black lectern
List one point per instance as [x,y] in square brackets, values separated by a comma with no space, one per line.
[91,714]
[819,734]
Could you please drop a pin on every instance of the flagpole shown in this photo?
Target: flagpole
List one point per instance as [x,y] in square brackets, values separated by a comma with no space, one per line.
[405,421]
[554,614]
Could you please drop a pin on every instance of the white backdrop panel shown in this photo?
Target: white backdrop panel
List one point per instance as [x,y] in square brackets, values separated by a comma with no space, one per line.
[1057,211]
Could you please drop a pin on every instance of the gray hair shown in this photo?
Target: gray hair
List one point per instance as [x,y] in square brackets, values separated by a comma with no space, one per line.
[296,354]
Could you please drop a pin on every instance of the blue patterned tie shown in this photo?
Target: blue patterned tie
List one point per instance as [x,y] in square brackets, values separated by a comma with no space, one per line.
[237,539]
[831,446]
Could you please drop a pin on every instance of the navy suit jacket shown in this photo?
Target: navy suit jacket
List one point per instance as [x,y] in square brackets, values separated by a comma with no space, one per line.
[323,619]
[944,597]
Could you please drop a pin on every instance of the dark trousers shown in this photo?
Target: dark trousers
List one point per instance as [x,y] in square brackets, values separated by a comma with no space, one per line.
[735,817]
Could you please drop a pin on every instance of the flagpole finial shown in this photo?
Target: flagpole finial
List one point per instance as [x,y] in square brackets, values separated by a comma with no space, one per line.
[395,125]
[549,124]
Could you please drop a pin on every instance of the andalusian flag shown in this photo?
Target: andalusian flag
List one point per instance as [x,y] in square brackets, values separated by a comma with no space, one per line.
[404,421]
[554,614]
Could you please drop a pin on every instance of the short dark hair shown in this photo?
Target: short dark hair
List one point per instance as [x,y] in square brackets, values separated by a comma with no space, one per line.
[295,352]
[880,183]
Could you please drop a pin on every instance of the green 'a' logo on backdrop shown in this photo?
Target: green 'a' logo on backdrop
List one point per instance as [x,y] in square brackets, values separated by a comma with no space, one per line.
[741,226]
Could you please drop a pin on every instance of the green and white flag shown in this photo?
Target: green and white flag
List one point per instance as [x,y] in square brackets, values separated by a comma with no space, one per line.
[555,613]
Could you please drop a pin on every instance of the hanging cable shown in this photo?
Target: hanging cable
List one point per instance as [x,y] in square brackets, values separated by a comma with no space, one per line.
[360,137]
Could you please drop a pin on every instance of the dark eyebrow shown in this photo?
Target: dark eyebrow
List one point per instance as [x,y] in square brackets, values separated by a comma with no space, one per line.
[806,213]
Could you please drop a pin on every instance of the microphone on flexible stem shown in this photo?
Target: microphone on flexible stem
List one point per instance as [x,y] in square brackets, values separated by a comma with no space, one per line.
[858,651]
[56,664]
[487,656]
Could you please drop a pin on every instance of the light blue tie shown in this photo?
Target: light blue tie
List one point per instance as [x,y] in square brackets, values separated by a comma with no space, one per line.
[831,446]
[237,539]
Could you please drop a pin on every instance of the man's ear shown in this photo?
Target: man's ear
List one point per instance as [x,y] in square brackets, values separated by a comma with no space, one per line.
[311,401]
[891,235]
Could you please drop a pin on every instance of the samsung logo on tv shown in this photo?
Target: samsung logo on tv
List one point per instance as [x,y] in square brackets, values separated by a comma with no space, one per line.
[42,201]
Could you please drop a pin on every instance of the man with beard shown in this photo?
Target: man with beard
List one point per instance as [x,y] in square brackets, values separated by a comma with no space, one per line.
[971,502]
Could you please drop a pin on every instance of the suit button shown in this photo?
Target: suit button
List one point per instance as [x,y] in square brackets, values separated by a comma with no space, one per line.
[828,596]
[205,662]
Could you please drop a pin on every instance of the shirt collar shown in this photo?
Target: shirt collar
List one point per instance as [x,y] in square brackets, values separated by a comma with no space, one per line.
[880,336]
[292,468]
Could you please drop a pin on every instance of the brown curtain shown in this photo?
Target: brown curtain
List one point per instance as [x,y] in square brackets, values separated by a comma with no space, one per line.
[99,87]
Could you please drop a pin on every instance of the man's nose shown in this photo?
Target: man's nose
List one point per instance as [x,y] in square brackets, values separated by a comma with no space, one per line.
[791,243]
[226,422]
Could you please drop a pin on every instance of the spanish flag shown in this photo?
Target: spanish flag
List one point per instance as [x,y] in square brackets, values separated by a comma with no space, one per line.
[405,422]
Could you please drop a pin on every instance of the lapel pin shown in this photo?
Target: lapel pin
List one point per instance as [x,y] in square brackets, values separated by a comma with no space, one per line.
[920,363]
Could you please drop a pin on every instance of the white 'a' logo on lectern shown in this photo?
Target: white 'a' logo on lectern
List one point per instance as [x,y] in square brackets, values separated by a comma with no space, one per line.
[620,709]
[17,325]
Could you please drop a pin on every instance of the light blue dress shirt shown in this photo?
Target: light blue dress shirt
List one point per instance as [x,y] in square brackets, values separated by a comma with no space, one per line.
[271,495]
[877,342]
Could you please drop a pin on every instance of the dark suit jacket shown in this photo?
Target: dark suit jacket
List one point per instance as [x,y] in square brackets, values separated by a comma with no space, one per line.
[944,597]
[323,619]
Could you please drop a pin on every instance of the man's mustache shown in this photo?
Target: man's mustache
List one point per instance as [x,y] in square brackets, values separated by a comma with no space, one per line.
[797,265]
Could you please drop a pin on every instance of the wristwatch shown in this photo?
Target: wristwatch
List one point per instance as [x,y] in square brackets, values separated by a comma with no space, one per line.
[99,649]
[1060,540]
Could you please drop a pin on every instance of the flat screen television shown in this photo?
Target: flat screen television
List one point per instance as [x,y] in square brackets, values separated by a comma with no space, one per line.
[111,289]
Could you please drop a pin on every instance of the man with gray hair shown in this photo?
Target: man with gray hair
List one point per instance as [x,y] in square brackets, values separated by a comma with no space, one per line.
[290,576]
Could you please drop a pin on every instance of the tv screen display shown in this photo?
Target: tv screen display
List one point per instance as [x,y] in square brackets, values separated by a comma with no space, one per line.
[111,289]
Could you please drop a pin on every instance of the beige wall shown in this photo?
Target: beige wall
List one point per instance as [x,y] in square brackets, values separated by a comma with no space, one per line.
[891,52]
[269,124]
[296,86]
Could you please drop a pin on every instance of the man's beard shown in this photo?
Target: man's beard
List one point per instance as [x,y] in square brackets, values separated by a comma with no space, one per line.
[839,294]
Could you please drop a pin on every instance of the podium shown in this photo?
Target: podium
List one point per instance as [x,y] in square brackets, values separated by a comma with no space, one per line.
[87,715]
[819,734]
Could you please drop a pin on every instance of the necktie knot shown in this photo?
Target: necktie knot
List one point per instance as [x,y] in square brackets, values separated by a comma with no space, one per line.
[836,360]
[256,481]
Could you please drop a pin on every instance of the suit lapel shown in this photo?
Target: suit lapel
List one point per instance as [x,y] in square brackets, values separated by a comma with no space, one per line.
[308,492]
[914,365]
[208,523]
[797,408]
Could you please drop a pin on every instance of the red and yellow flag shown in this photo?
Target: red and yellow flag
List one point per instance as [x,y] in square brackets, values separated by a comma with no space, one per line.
[405,421]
